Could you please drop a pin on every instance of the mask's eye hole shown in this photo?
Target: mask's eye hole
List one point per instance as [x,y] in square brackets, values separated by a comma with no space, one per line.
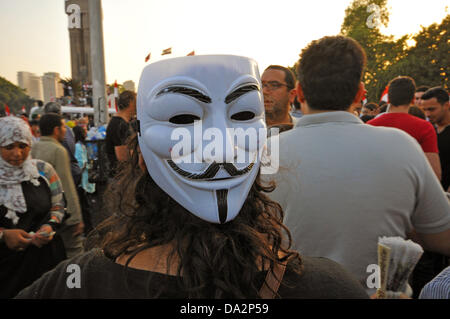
[184,119]
[243,116]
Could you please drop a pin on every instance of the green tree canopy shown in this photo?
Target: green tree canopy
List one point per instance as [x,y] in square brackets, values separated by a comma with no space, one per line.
[427,61]
[14,96]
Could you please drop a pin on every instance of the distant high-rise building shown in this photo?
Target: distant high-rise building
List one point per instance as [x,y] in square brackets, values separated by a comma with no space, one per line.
[51,86]
[79,34]
[129,85]
[31,83]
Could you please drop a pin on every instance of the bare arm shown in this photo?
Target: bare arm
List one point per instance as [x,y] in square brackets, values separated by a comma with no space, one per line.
[122,153]
[439,242]
[433,159]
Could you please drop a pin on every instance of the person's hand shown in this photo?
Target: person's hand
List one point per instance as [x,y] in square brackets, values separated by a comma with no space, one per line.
[78,229]
[16,239]
[43,236]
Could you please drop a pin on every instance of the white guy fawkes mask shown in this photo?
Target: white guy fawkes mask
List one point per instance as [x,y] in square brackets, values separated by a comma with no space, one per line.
[187,109]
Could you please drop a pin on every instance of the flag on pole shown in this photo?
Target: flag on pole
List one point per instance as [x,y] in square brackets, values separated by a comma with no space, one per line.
[167,51]
[191,53]
[7,110]
[23,109]
[384,95]
[116,95]
[116,90]
[148,57]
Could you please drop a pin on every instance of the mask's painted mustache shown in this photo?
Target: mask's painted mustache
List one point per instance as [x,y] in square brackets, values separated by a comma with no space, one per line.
[211,171]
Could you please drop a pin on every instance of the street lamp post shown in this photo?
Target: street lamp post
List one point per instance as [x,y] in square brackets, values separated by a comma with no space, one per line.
[98,63]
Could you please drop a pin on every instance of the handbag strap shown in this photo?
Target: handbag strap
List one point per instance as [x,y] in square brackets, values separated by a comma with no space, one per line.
[272,282]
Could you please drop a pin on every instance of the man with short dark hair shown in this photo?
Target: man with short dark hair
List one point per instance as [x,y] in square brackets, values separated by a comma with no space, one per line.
[436,105]
[279,92]
[343,184]
[401,96]
[50,150]
[119,130]
[68,142]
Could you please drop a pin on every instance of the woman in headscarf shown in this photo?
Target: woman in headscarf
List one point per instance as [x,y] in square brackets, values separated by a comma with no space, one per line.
[31,209]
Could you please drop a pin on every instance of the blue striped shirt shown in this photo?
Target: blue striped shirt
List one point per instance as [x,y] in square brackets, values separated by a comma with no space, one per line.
[438,288]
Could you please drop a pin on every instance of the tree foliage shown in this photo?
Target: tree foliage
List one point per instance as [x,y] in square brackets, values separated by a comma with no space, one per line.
[13,96]
[427,61]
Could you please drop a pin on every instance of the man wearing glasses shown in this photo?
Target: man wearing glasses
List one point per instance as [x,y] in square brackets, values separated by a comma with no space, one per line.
[279,93]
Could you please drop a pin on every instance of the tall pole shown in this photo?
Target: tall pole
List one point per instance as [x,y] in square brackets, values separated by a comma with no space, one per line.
[98,63]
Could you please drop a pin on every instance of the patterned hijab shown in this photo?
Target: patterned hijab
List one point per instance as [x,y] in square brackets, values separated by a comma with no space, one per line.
[14,129]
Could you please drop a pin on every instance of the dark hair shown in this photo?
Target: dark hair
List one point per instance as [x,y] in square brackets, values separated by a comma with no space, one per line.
[371,106]
[48,122]
[79,133]
[52,107]
[366,118]
[288,75]
[416,111]
[297,104]
[215,260]
[401,90]
[422,88]
[439,93]
[40,103]
[330,71]
[125,98]
[382,103]
[34,122]
[383,108]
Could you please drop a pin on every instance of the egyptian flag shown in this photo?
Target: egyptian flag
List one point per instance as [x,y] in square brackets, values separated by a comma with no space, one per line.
[23,109]
[148,57]
[116,94]
[116,90]
[384,95]
[7,110]
[191,53]
[167,51]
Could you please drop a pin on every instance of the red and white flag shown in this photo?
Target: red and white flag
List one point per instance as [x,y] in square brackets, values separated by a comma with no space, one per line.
[167,51]
[116,90]
[7,110]
[148,57]
[384,95]
[23,109]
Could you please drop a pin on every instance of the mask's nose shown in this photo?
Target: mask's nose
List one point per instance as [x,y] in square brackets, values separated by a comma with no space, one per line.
[218,144]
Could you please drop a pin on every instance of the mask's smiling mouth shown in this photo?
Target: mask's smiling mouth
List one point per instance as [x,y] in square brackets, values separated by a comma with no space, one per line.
[211,171]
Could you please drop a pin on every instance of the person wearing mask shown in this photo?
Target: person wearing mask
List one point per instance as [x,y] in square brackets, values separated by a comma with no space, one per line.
[200,229]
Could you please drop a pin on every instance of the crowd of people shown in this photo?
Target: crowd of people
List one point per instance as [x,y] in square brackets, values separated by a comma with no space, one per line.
[349,172]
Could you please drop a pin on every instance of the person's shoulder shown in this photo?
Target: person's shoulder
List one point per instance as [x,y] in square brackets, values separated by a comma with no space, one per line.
[43,166]
[427,125]
[322,278]
[57,282]
[376,120]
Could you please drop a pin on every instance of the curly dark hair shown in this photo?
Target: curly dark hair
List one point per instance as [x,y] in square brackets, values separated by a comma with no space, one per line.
[125,98]
[214,260]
